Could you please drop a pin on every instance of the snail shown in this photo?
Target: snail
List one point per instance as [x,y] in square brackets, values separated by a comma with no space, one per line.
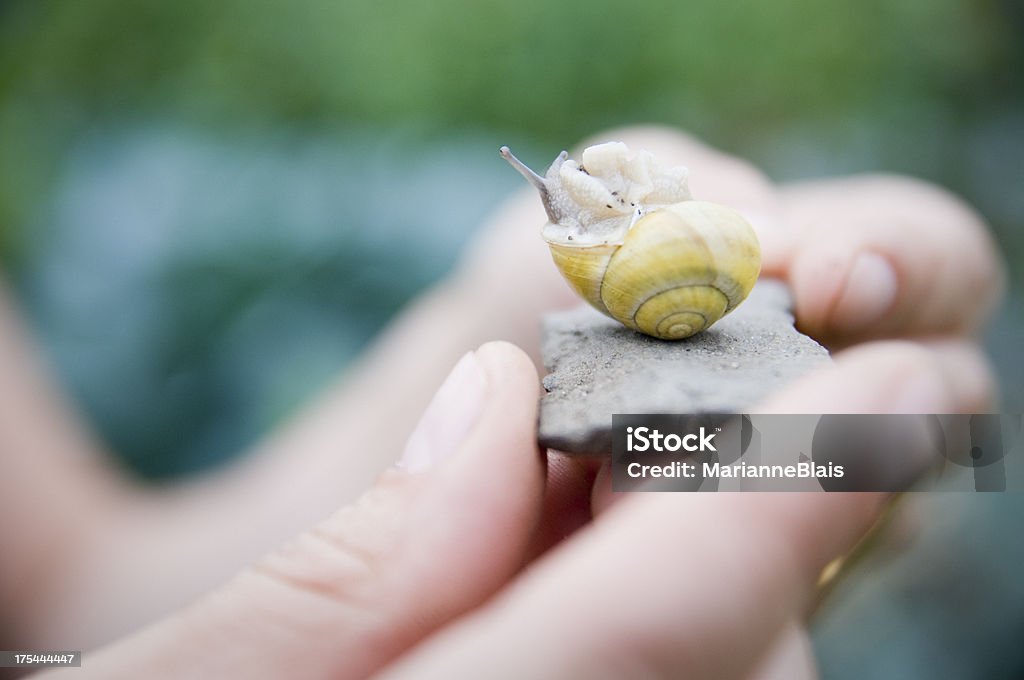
[625,233]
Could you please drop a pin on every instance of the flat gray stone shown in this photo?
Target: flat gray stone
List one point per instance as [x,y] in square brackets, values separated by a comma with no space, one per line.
[598,367]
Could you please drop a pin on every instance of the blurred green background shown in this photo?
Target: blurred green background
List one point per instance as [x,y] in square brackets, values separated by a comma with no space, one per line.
[207,208]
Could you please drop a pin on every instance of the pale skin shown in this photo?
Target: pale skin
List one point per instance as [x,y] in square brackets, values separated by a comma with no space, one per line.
[437,549]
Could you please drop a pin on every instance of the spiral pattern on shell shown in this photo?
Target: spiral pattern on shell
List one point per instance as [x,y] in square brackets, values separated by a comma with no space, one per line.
[678,270]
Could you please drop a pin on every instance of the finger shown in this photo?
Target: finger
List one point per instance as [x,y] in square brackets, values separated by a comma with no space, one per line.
[880,256]
[665,586]
[949,376]
[602,498]
[894,376]
[43,444]
[566,500]
[790,657]
[429,542]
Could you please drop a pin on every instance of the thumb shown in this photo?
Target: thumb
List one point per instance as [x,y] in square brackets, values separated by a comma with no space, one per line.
[433,539]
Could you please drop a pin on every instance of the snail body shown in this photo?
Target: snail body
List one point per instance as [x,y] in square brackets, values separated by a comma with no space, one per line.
[626,235]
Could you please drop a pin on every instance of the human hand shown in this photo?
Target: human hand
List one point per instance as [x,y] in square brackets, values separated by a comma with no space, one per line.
[423,577]
[436,550]
[409,561]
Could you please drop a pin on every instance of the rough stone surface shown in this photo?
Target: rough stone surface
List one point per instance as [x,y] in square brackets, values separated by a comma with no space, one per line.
[598,367]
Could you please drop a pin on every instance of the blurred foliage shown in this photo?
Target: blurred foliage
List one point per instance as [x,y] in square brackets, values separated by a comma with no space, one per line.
[553,69]
[736,72]
[189,190]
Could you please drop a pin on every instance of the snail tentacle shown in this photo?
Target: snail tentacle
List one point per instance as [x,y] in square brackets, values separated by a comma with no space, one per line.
[541,183]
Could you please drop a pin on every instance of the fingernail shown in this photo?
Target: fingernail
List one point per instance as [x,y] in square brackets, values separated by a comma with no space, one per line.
[870,291]
[449,417]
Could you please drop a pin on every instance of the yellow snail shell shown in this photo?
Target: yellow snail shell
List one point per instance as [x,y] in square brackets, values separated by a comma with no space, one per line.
[626,235]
